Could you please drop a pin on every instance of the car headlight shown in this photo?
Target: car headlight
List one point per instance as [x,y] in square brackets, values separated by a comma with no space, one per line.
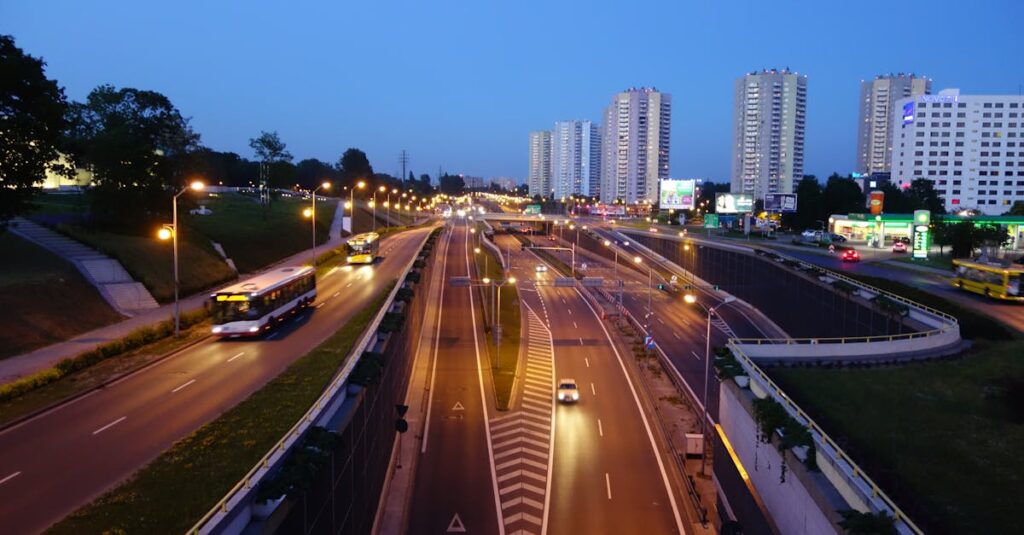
[254,329]
[575,396]
[216,330]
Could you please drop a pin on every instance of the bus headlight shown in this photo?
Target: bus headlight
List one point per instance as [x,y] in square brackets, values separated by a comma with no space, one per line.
[254,329]
[216,330]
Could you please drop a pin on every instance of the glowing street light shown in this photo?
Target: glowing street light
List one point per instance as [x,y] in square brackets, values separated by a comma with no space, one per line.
[311,214]
[171,232]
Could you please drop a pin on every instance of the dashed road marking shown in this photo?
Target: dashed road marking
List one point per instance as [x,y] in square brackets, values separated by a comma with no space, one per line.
[108,426]
[10,477]
[182,386]
[236,356]
[695,355]
[608,483]
[600,430]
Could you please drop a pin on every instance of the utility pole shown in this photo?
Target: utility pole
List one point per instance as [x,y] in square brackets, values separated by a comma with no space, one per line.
[404,160]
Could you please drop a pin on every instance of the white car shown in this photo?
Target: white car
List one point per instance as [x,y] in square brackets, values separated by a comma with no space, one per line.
[567,391]
[541,268]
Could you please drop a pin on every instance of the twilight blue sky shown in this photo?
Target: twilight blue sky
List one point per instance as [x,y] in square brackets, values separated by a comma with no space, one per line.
[461,83]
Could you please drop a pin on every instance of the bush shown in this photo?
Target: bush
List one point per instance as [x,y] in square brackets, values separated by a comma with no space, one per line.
[391,322]
[404,295]
[413,276]
[844,286]
[857,523]
[419,264]
[891,306]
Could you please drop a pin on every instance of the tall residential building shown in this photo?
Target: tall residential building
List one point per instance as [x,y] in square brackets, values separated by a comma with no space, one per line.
[635,145]
[575,159]
[970,146]
[877,109]
[768,133]
[539,176]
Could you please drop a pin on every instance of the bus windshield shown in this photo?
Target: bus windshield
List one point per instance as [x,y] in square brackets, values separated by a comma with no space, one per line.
[228,311]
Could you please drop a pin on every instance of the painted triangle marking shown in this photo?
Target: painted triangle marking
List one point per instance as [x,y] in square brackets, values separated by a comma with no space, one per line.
[456,526]
[458,407]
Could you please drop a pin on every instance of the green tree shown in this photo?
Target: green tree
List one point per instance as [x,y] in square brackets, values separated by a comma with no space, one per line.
[273,153]
[842,196]
[895,200]
[354,166]
[32,118]
[451,184]
[137,145]
[810,209]
[1016,209]
[311,172]
[923,196]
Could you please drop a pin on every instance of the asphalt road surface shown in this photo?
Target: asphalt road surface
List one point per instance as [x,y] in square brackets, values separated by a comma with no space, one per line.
[64,458]
[454,488]
[607,476]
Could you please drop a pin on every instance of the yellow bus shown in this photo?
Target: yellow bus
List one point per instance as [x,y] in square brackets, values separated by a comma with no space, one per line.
[362,248]
[990,279]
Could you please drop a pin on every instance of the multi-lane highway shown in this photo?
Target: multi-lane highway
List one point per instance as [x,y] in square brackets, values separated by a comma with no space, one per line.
[608,472]
[454,485]
[63,458]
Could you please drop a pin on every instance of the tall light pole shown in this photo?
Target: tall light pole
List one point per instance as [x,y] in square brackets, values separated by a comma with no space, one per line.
[497,315]
[707,366]
[312,216]
[172,233]
[352,204]
[650,284]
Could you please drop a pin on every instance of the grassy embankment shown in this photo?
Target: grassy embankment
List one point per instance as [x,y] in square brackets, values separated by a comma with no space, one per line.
[183,483]
[940,437]
[504,359]
[44,299]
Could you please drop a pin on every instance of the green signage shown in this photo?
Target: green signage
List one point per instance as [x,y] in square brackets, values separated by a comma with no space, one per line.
[532,209]
[710,220]
[922,237]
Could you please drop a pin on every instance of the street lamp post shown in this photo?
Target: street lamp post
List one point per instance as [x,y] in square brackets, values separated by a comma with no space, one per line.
[707,365]
[172,233]
[650,284]
[352,204]
[312,216]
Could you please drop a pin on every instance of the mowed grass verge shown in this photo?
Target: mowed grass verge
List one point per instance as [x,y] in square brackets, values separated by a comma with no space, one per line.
[174,491]
[505,359]
[254,237]
[44,299]
[937,436]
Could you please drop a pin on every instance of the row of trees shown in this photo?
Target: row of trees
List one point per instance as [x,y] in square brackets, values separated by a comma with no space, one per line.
[138,147]
[842,195]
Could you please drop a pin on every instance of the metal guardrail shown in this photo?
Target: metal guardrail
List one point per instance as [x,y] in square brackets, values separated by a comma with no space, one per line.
[857,472]
[340,380]
[841,339]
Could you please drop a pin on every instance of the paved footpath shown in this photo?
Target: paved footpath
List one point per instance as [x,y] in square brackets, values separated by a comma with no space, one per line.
[19,366]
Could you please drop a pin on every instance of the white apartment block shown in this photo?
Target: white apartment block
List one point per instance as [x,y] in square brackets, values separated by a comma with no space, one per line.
[768,132]
[539,176]
[635,145]
[877,109]
[970,146]
[575,159]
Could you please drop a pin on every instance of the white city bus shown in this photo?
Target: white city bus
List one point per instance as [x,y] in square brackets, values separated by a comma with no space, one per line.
[253,306]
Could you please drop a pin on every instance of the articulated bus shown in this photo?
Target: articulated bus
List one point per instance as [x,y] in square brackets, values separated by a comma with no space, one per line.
[363,248]
[253,306]
[989,279]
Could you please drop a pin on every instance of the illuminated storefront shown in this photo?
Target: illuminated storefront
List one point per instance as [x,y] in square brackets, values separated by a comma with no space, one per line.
[867,228]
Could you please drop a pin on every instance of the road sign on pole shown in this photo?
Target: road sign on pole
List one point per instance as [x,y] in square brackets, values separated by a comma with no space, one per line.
[710,220]
[649,342]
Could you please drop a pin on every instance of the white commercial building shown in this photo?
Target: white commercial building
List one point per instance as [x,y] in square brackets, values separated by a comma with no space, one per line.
[768,133]
[575,159]
[635,145]
[877,109]
[970,146]
[539,177]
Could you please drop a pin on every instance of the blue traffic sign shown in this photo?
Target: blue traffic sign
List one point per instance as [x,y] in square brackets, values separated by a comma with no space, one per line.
[649,342]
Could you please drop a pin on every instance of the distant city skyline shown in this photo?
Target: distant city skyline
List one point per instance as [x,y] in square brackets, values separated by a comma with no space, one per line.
[459,86]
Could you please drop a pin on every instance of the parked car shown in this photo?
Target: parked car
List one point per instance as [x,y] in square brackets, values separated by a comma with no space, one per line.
[899,247]
[850,255]
[838,238]
[567,391]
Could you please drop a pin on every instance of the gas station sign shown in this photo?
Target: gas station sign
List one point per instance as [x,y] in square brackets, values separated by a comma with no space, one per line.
[922,236]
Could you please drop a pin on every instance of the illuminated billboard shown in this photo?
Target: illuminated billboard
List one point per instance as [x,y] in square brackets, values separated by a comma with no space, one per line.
[780,202]
[734,203]
[908,112]
[678,194]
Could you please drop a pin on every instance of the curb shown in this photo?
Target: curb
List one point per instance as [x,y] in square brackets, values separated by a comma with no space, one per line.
[74,397]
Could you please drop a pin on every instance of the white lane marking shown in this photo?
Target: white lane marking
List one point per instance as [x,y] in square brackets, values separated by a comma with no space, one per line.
[347,285]
[608,483]
[483,403]
[585,359]
[677,336]
[273,335]
[600,429]
[236,356]
[574,324]
[320,305]
[581,341]
[643,418]
[570,310]
[10,477]
[695,355]
[336,294]
[108,426]
[182,386]
[659,321]
[592,390]
[437,340]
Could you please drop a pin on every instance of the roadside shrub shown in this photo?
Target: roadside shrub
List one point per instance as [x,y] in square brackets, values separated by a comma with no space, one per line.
[858,523]
[392,322]
[413,276]
[419,263]
[404,295]
[844,286]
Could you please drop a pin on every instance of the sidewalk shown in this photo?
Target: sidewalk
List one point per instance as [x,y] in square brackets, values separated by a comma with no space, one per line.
[19,366]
